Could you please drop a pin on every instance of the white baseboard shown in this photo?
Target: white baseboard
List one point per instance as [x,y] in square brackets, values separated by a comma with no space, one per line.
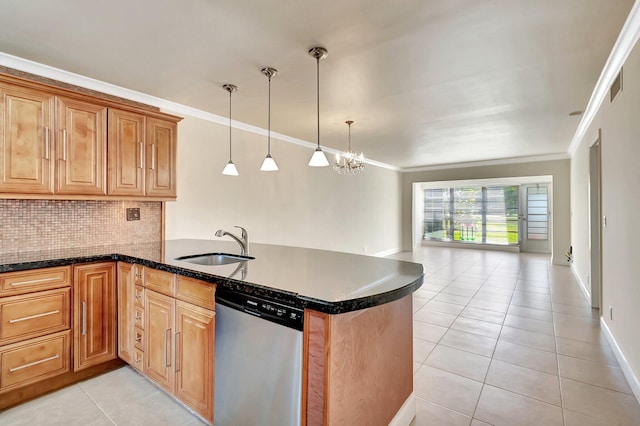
[586,292]
[406,413]
[634,383]
[387,252]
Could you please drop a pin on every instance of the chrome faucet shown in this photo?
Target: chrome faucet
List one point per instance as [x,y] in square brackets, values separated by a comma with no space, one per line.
[243,240]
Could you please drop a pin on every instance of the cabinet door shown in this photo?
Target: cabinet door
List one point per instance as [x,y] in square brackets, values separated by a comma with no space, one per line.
[159,317]
[94,314]
[161,157]
[26,145]
[194,340]
[82,148]
[126,288]
[126,153]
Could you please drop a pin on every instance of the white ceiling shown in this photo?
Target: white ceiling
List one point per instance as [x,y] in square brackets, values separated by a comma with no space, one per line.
[427,82]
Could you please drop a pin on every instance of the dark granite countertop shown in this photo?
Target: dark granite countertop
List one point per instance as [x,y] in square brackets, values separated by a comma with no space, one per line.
[326,281]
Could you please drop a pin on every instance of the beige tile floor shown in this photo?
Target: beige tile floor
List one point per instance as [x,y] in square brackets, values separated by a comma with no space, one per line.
[499,339]
[509,339]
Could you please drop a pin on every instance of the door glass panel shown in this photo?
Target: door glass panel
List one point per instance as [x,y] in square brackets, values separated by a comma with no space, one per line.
[537,213]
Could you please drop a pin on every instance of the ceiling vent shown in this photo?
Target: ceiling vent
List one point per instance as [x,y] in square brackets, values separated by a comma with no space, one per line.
[616,86]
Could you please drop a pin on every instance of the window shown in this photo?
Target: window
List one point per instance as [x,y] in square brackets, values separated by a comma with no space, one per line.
[473,214]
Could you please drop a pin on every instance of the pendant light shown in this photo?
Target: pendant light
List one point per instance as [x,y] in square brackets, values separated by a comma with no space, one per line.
[269,164]
[318,159]
[230,168]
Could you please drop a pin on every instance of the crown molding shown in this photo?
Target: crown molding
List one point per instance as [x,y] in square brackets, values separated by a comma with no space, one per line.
[497,162]
[43,70]
[625,43]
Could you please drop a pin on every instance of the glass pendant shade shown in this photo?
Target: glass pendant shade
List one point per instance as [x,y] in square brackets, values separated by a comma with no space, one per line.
[230,169]
[318,159]
[269,164]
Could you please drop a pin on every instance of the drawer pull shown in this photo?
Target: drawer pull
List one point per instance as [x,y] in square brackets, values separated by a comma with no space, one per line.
[31,364]
[177,355]
[44,314]
[42,280]
[46,143]
[153,156]
[167,347]
[84,318]
[141,166]
[139,338]
[64,144]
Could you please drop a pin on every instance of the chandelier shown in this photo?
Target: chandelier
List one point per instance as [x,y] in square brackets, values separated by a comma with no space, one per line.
[349,163]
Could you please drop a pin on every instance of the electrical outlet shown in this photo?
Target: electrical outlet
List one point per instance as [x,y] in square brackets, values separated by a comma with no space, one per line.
[133,214]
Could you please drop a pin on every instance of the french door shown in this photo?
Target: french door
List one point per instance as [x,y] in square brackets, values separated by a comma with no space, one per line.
[535,218]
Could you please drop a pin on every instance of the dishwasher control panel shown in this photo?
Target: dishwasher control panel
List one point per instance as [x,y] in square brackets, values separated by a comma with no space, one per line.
[268,310]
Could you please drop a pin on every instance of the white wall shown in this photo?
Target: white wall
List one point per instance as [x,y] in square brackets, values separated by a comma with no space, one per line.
[298,205]
[558,169]
[620,146]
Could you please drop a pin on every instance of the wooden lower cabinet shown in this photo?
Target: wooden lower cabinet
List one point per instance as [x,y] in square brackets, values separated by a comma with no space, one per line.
[179,350]
[34,360]
[95,314]
[158,340]
[195,334]
[126,295]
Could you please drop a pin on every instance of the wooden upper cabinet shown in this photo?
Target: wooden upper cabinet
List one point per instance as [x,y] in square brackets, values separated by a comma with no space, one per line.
[161,157]
[95,322]
[81,148]
[26,145]
[126,152]
[61,144]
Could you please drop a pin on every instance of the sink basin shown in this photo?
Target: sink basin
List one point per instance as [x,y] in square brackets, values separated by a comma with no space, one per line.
[214,258]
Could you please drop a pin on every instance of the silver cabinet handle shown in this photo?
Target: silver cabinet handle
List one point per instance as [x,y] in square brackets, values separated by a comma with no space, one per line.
[43,280]
[64,144]
[178,361]
[84,318]
[33,316]
[46,143]
[153,156]
[141,154]
[167,343]
[31,364]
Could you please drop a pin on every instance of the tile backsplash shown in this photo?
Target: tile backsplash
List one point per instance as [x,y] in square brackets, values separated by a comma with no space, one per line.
[28,225]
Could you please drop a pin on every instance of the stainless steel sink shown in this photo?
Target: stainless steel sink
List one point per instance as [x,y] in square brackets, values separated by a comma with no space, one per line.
[214,259]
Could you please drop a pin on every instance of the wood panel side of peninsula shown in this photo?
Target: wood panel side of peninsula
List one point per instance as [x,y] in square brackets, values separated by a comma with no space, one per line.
[358,366]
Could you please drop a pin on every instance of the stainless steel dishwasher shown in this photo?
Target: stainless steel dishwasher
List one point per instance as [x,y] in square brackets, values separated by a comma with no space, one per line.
[258,368]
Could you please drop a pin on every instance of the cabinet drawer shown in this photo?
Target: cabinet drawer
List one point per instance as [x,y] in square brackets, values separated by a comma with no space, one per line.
[12,283]
[160,281]
[37,359]
[138,296]
[138,356]
[32,315]
[138,338]
[198,292]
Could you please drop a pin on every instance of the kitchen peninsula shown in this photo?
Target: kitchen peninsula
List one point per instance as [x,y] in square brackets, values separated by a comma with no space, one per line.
[357,353]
